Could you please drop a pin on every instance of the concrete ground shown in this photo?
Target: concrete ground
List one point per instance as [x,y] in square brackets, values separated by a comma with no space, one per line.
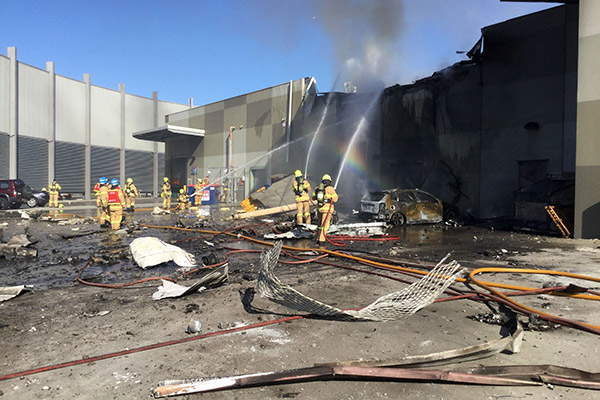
[64,322]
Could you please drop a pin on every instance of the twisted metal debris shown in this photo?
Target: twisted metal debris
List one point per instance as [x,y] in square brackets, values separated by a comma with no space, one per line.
[390,307]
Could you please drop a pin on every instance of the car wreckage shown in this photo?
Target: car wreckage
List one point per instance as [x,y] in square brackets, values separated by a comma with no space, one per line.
[405,206]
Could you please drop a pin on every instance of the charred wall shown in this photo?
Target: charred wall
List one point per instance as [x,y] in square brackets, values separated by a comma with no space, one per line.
[476,132]
[430,135]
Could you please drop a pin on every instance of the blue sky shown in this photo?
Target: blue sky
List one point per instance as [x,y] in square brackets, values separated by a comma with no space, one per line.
[216,49]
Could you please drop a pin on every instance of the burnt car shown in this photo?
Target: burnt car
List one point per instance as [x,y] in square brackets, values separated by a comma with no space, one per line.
[13,193]
[403,206]
[40,199]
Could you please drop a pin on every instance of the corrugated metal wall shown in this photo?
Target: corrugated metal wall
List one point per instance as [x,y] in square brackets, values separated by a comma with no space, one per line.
[35,116]
[4,156]
[139,167]
[105,162]
[69,164]
[33,161]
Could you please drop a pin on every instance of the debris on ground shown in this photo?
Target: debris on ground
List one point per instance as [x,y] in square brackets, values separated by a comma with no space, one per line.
[17,245]
[151,251]
[160,211]
[266,211]
[171,289]
[96,314]
[358,229]
[212,279]
[194,326]
[8,292]
[390,307]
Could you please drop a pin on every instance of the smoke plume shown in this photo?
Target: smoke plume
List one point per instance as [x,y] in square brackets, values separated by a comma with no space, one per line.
[365,35]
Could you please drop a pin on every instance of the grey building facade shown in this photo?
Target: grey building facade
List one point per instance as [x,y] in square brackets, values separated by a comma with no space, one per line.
[53,126]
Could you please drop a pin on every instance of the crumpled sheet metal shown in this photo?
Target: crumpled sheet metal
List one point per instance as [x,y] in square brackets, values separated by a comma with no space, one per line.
[151,251]
[212,279]
[390,307]
[8,292]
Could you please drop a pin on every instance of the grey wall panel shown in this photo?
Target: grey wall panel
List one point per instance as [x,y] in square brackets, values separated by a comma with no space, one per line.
[34,102]
[4,155]
[161,168]
[105,162]
[70,110]
[138,166]
[4,93]
[138,117]
[69,166]
[106,117]
[214,122]
[33,161]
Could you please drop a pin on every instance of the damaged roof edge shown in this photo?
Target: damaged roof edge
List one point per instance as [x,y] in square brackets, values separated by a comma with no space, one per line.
[163,133]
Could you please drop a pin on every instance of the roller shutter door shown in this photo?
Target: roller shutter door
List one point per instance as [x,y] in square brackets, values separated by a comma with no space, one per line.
[4,156]
[105,162]
[139,166]
[32,163]
[69,166]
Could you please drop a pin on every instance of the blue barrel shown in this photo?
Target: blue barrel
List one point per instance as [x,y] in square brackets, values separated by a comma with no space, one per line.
[209,196]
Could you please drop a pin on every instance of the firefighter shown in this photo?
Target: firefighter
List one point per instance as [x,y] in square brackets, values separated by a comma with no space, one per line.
[102,199]
[198,188]
[166,193]
[131,193]
[101,182]
[301,189]
[325,196]
[182,200]
[115,201]
[54,188]
[103,195]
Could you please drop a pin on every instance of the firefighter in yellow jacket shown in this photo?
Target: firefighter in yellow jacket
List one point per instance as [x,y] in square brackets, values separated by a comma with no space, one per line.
[103,198]
[301,189]
[198,188]
[53,194]
[166,194]
[116,202]
[101,182]
[131,193]
[183,200]
[325,196]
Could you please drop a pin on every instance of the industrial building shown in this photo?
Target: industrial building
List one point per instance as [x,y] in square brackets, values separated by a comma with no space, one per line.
[523,108]
[52,126]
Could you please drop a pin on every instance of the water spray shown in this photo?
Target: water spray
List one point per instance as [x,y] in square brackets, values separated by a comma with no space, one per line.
[355,135]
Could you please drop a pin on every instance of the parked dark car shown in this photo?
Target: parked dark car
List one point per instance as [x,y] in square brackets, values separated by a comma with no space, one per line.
[403,206]
[40,199]
[13,193]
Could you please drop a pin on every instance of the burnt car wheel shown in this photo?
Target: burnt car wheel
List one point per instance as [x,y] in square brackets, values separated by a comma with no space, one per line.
[450,214]
[3,203]
[398,219]
[32,202]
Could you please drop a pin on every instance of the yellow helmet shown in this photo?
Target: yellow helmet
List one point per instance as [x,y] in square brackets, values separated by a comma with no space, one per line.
[166,179]
[129,180]
[199,179]
[298,173]
[180,190]
[326,177]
